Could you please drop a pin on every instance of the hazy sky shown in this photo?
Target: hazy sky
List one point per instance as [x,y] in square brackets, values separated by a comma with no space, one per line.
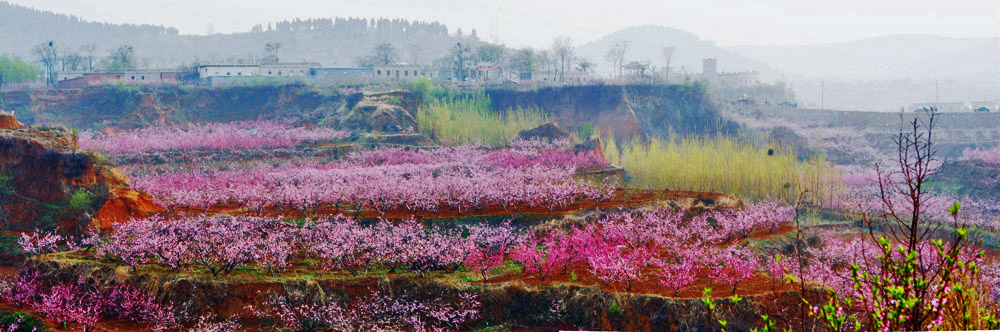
[535,22]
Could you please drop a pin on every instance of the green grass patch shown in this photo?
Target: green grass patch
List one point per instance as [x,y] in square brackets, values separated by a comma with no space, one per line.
[25,322]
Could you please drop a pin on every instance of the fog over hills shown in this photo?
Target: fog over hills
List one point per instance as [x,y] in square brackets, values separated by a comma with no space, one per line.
[882,73]
[877,73]
[888,57]
[647,43]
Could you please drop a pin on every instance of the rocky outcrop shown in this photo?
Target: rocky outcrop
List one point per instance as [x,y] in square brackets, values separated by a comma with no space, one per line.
[786,138]
[122,205]
[47,182]
[592,144]
[393,112]
[8,121]
[547,132]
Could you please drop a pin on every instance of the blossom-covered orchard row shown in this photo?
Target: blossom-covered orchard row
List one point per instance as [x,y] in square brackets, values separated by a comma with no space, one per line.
[82,304]
[213,136]
[383,180]
[620,250]
[843,144]
[987,155]
[861,192]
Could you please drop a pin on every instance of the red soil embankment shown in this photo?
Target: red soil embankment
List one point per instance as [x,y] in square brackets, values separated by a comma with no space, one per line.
[47,181]
[124,205]
[8,121]
[623,198]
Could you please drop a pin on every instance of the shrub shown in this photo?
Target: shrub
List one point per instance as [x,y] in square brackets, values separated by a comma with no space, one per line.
[471,119]
[15,70]
[6,184]
[615,311]
[393,100]
[80,200]
[722,165]
[21,322]
[423,88]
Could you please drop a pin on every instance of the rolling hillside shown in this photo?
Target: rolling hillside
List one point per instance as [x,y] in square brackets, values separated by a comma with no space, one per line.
[648,41]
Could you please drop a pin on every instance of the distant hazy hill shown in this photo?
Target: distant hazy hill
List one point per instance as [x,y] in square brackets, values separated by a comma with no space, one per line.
[330,41]
[648,41]
[889,57]
[886,73]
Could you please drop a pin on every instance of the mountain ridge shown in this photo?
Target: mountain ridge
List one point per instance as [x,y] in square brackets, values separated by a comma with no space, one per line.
[332,41]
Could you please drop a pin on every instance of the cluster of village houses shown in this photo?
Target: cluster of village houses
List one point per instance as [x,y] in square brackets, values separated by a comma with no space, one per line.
[225,74]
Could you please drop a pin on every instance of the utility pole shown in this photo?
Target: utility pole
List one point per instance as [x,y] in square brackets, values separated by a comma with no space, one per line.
[822,94]
[936,100]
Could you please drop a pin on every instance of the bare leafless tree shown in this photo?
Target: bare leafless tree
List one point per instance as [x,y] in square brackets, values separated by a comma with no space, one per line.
[416,53]
[616,56]
[668,55]
[89,50]
[902,191]
[383,54]
[271,52]
[584,65]
[562,51]
[122,58]
[543,59]
[906,223]
[71,61]
[461,59]
[48,55]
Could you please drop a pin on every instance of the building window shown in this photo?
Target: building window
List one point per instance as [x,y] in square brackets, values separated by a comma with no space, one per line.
[142,77]
[414,73]
[228,74]
[279,73]
[379,73]
[268,73]
[133,78]
[239,73]
[406,73]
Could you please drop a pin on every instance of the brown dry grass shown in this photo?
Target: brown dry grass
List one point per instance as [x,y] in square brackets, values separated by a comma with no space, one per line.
[968,309]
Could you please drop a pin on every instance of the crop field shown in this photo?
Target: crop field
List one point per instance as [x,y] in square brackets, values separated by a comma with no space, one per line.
[269,226]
